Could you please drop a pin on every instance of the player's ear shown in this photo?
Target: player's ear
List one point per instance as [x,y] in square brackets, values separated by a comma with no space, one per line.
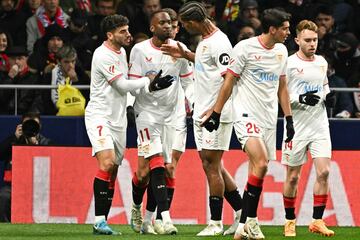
[109,35]
[152,28]
[296,40]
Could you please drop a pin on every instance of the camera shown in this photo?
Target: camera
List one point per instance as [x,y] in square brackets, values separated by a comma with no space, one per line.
[30,128]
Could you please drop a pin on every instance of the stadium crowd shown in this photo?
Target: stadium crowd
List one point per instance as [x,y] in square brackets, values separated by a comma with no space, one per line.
[35,30]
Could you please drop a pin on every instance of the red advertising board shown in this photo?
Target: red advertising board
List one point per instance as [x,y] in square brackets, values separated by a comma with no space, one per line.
[54,184]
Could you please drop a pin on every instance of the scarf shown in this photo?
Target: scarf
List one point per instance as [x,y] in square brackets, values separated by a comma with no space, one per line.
[57,78]
[84,5]
[231,10]
[43,20]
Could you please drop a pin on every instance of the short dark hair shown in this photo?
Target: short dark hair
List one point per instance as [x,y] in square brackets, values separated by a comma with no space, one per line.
[158,11]
[172,13]
[66,51]
[193,11]
[274,17]
[97,2]
[111,22]
[324,9]
[31,115]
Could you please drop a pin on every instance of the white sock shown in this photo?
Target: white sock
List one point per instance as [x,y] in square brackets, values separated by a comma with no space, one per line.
[219,222]
[238,214]
[99,218]
[148,216]
[166,216]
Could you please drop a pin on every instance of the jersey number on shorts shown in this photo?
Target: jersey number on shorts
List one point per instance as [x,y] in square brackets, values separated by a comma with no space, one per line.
[146,130]
[251,128]
[288,145]
[100,129]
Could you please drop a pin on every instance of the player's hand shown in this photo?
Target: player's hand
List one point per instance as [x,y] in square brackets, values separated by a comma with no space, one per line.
[290,131]
[210,120]
[330,100]
[159,82]
[309,98]
[175,51]
[18,131]
[130,115]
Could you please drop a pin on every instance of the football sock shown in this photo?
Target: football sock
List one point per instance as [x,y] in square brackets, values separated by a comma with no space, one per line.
[101,187]
[157,179]
[319,206]
[150,202]
[244,207]
[234,199]
[137,190]
[170,188]
[254,188]
[110,197]
[216,206]
[289,204]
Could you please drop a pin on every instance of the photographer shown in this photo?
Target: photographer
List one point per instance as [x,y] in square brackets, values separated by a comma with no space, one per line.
[26,133]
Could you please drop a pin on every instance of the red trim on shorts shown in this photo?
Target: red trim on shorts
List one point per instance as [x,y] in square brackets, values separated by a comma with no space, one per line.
[289,202]
[255,181]
[320,200]
[7,176]
[112,184]
[233,73]
[156,162]
[170,182]
[102,175]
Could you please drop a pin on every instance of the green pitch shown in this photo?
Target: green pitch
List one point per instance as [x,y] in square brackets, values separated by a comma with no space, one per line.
[78,231]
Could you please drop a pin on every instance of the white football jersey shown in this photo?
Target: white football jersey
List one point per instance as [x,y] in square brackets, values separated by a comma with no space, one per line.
[158,106]
[211,61]
[105,101]
[310,122]
[258,70]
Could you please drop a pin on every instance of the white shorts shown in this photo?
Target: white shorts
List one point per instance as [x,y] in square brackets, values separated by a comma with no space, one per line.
[215,140]
[179,139]
[294,153]
[247,127]
[155,139]
[103,138]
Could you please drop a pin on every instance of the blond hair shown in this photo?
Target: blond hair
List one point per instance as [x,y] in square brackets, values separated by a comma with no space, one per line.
[306,25]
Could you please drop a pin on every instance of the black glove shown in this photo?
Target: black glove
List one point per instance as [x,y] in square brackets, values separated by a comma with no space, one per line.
[130,114]
[330,100]
[160,82]
[213,122]
[290,131]
[309,98]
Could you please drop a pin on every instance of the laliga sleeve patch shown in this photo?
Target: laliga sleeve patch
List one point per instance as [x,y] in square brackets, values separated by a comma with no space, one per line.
[224,59]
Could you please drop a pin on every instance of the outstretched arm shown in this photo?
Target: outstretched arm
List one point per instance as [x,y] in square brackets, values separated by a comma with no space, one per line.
[177,51]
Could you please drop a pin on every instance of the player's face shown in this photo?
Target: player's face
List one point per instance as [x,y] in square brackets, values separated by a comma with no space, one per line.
[174,29]
[120,37]
[281,33]
[307,41]
[161,26]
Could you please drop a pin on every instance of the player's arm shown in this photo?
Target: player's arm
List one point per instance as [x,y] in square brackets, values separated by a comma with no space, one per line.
[123,85]
[284,100]
[178,51]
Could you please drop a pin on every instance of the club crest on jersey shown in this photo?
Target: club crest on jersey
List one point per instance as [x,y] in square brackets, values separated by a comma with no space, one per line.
[224,59]
[204,49]
[112,69]
[279,57]
[148,59]
[300,70]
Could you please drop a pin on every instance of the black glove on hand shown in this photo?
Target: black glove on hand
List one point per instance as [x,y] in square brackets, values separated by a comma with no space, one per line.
[213,122]
[309,98]
[160,82]
[330,100]
[290,131]
[130,114]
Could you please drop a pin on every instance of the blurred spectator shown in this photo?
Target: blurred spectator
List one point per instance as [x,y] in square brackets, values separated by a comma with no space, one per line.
[42,60]
[347,58]
[103,8]
[28,7]
[344,104]
[66,67]
[13,22]
[46,15]
[326,30]
[26,133]
[139,14]
[344,16]
[85,5]
[79,37]
[27,99]
[5,42]
[245,31]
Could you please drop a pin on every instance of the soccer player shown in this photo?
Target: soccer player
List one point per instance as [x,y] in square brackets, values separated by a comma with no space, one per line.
[155,117]
[256,78]
[105,116]
[309,95]
[211,60]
